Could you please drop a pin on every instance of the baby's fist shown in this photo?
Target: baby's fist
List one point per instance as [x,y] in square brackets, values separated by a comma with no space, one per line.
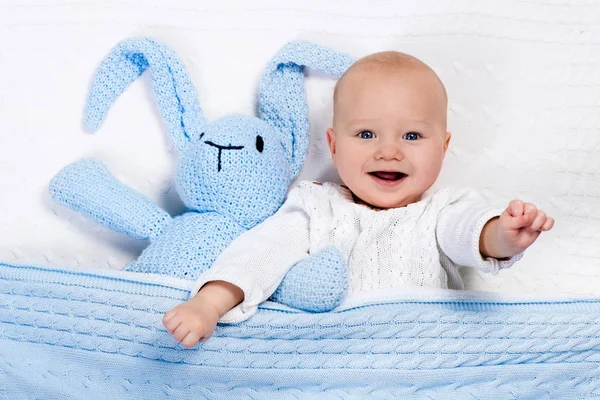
[192,322]
[521,224]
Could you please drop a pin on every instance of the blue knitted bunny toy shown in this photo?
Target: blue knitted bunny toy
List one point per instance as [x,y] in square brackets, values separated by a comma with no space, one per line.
[232,173]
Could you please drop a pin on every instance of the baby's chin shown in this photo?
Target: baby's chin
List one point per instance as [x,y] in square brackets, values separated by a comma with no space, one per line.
[384,201]
[385,204]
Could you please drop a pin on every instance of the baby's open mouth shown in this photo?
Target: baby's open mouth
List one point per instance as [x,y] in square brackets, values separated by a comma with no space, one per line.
[388,175]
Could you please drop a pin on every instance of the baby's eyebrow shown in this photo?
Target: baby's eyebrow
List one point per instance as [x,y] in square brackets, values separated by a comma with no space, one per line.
[418,122]
[408,125]
[360,123]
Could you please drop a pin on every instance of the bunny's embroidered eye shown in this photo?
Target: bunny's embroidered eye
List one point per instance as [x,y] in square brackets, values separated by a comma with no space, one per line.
[260,143]
[202,134]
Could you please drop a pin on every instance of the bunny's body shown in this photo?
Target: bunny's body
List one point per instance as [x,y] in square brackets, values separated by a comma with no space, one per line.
[232,174]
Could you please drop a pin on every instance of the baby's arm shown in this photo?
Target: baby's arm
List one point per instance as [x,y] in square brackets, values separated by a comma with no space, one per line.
[514,230]
[195,320]
[245,274]
[460,231]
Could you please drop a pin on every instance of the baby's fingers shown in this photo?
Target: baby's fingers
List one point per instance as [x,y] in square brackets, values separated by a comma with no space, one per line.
[190,340]
[538,222]
[532,211]
[548,224]
[171,321]
[516,208]
[181,332]
[524,220]
[513,223]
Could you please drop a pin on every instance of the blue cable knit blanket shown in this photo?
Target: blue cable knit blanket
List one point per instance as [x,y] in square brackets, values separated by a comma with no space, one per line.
[68,334]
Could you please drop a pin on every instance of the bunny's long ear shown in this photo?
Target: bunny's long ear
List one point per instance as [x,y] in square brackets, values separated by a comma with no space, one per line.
[282,97]
[175,94]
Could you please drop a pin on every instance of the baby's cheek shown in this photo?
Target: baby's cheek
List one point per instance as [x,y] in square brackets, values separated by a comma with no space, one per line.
[434,164]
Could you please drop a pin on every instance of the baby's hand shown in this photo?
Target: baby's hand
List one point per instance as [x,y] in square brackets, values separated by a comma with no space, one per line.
[520,225]
[193,321]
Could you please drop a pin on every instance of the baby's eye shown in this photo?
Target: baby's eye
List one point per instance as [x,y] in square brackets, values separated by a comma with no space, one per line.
[366,135]
[411,136]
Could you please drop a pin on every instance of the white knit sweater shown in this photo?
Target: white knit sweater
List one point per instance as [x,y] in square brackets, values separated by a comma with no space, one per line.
[422,244]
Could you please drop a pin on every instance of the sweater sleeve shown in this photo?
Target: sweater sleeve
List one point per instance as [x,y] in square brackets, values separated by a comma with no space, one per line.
[459,228]
[257,260]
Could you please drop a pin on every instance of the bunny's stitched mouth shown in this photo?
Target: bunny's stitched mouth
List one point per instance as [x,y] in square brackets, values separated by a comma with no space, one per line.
[221,148]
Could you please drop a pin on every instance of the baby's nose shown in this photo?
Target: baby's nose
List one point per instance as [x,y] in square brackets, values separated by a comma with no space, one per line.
[389,152]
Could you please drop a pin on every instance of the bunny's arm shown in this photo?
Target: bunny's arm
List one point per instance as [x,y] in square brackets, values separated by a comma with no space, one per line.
[87,187]
[316,284]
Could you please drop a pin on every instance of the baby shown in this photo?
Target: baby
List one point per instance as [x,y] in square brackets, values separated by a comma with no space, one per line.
[387,142]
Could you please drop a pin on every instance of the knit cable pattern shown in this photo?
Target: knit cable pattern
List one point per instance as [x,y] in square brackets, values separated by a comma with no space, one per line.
[110,331]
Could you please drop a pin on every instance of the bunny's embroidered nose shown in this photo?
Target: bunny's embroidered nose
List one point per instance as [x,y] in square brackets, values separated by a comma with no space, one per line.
[221,148]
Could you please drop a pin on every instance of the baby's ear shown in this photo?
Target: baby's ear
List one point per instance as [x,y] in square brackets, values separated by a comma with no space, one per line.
[331,140]
[447,142]
[282,98]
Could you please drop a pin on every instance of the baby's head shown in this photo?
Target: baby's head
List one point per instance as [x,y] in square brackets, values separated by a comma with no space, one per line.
[389,137]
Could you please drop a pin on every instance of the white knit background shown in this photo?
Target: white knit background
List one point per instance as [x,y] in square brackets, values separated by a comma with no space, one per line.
[523,79]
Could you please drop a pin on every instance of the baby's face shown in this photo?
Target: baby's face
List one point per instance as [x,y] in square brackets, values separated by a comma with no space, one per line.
[389,135]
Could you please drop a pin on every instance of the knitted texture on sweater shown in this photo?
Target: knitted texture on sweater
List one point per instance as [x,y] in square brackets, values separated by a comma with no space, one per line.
[232,173]
[420,245]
